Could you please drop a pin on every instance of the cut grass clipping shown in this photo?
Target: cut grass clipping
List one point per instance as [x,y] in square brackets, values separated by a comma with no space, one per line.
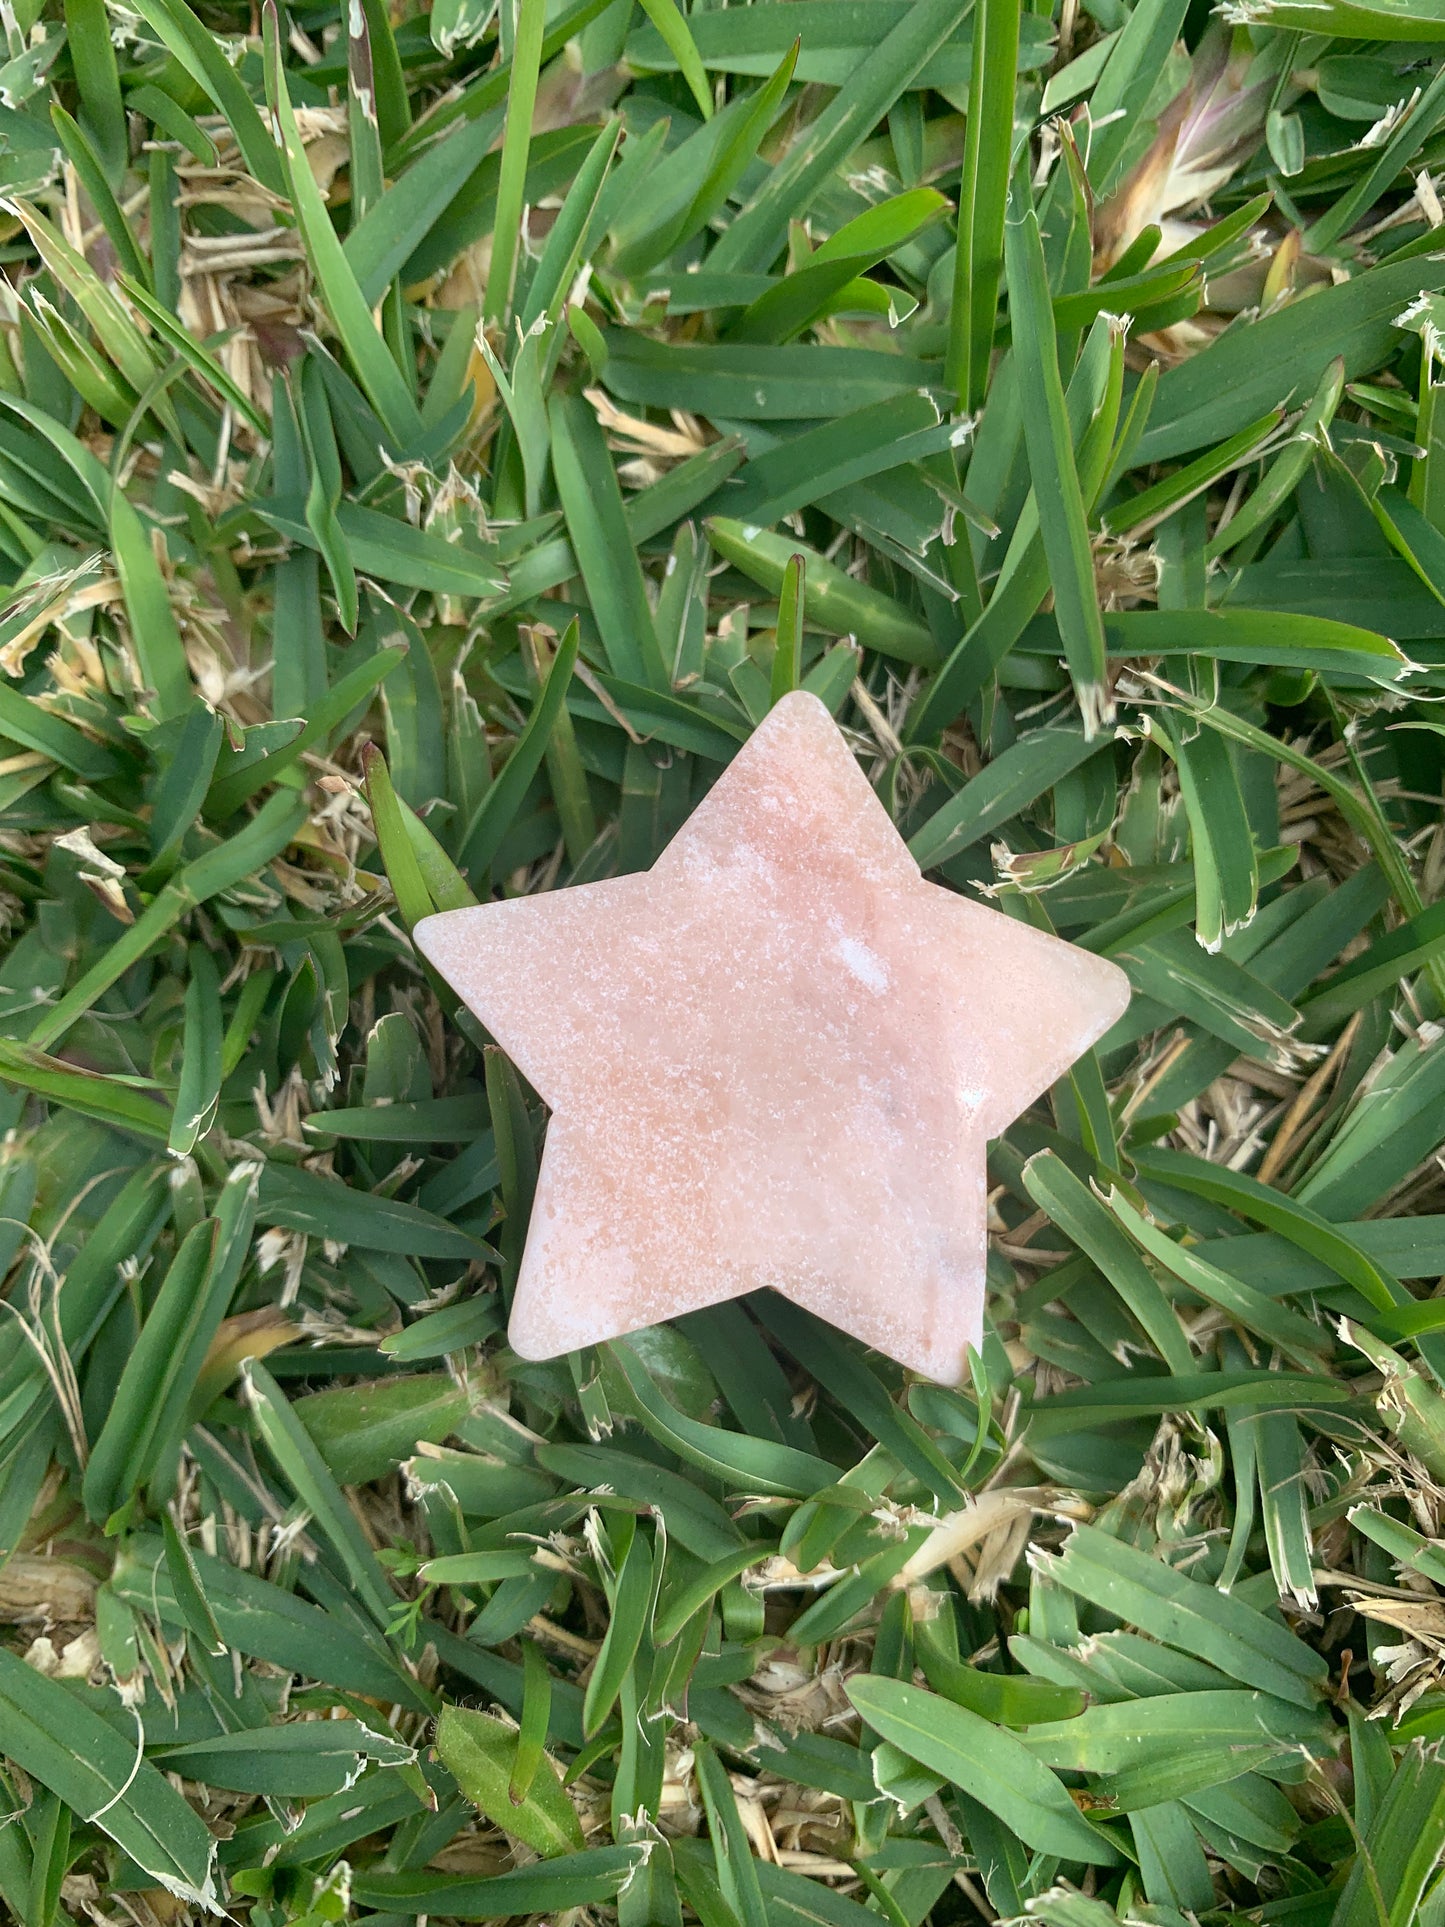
[430,441]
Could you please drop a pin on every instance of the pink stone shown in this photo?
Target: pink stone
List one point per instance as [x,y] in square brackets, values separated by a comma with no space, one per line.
[774,1059]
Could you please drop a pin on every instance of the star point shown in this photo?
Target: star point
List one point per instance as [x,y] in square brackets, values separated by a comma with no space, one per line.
[774,1059]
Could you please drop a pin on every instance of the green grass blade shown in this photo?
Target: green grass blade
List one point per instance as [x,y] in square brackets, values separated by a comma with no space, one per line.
[983,200]
[1051,465]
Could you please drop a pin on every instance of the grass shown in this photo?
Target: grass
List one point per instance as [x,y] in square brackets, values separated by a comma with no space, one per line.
[429,443]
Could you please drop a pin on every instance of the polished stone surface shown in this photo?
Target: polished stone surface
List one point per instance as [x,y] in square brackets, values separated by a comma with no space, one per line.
[773,1059]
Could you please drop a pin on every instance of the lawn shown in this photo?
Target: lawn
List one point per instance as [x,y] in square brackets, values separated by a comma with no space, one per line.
[430,444]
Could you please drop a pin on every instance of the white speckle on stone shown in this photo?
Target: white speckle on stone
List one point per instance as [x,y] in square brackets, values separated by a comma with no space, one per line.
[865,964]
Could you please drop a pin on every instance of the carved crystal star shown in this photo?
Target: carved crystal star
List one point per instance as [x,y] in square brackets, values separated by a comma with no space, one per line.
[773,1059]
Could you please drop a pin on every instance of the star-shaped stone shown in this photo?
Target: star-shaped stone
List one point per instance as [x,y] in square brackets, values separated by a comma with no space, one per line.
[773,1059]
